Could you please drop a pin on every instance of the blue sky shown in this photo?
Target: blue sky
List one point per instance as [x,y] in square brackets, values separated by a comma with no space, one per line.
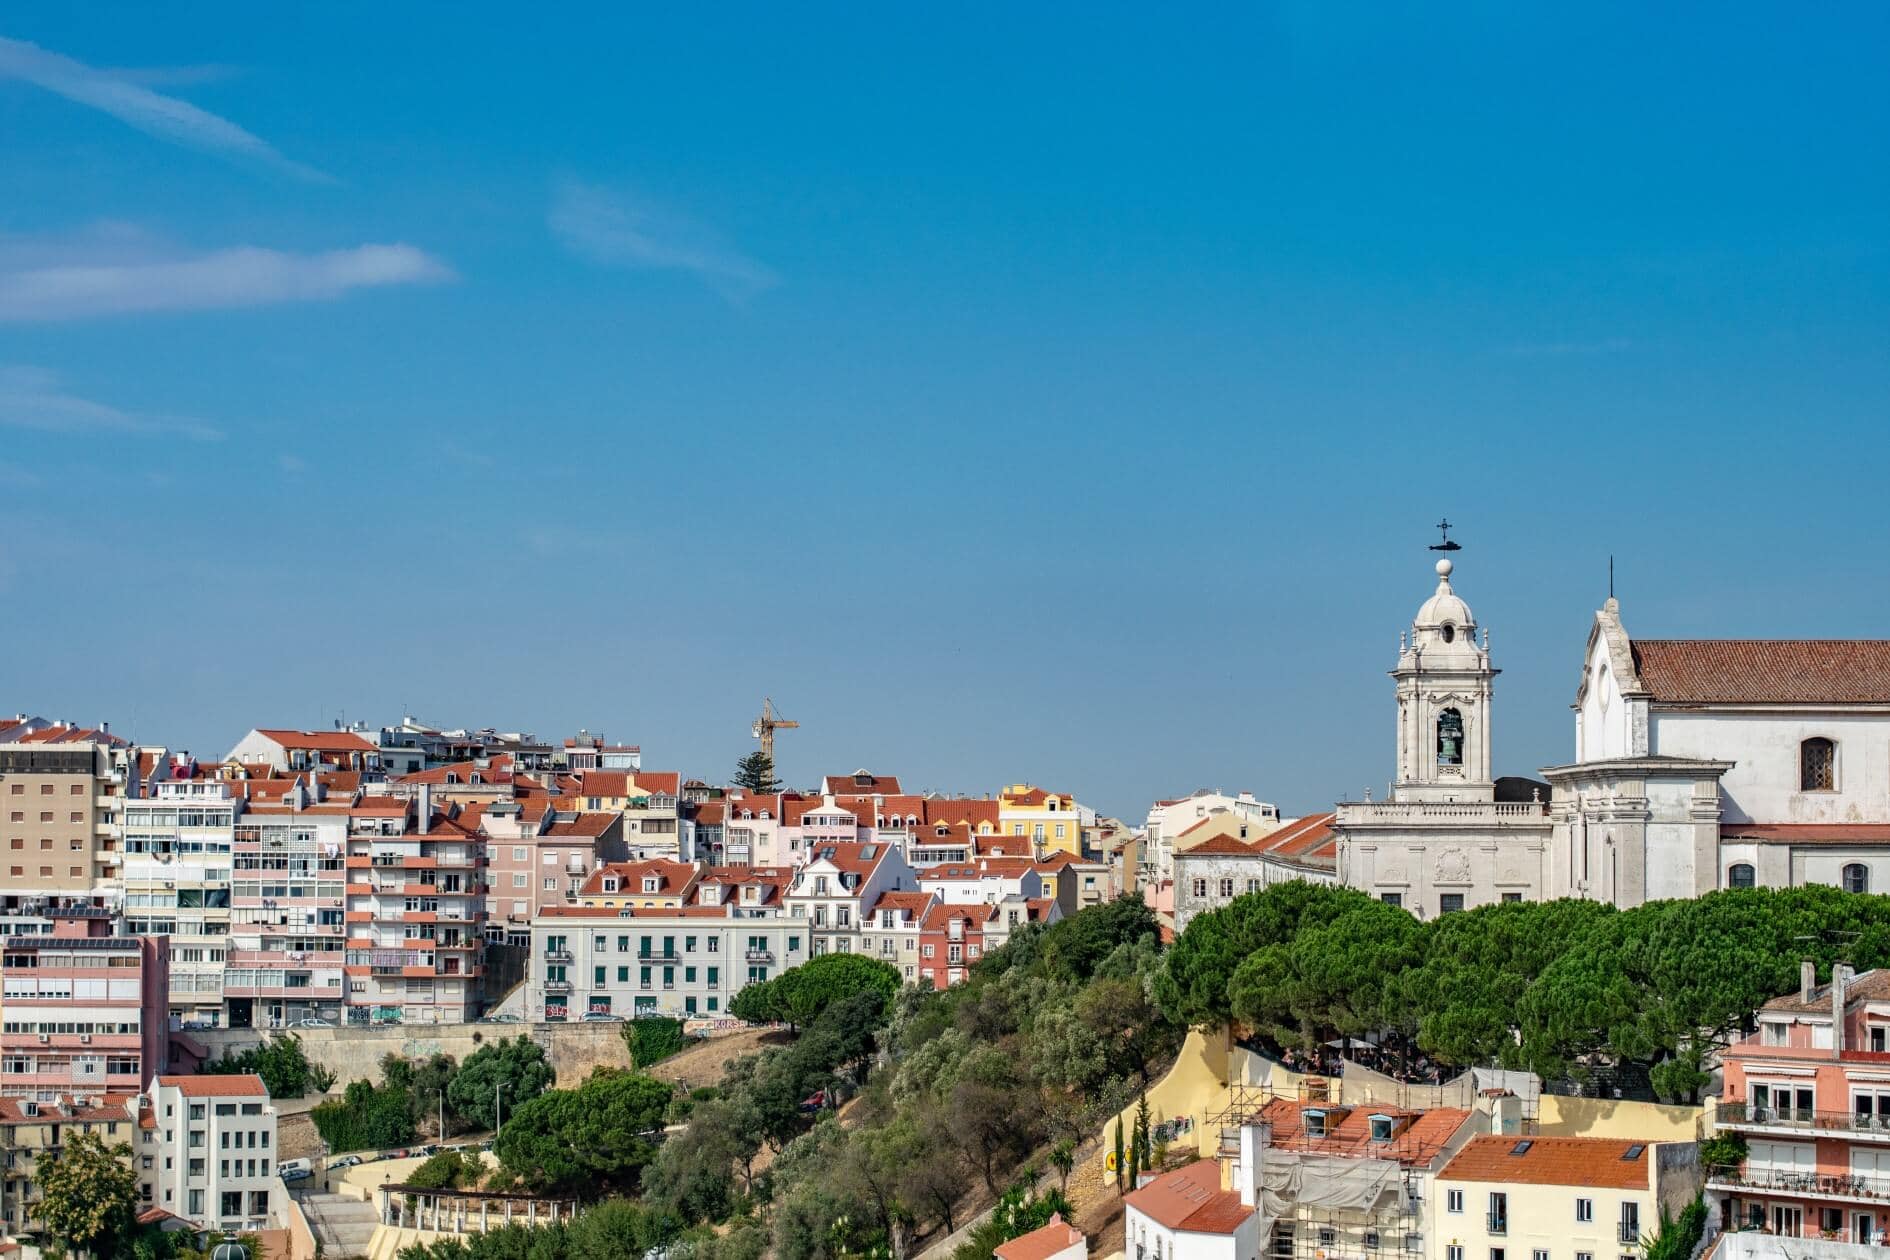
[1061,394]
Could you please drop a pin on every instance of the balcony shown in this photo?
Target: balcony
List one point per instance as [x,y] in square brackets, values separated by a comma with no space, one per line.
[1629,1232]
[659,955]
[1745,1116]
[557,986]
[759,955]
[1868,1190]
[558,955]
[1497,1223]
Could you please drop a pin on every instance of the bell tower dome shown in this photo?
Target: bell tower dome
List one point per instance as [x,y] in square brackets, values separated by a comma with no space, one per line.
[1443,681]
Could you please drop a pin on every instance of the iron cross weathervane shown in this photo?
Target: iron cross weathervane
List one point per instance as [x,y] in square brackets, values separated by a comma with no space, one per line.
[1443,527]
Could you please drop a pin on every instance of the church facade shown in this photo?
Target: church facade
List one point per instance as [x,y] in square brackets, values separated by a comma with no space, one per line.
[1451,836]
[1723,763]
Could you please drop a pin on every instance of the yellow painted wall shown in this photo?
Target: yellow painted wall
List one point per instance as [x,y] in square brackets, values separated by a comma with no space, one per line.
[1195,1086]
[1557,1116]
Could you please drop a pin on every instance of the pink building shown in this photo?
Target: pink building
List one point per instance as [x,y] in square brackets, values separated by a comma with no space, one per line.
[86,1011]
[1810,1093]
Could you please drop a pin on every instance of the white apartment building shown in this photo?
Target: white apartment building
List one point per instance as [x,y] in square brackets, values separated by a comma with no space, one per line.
[839,881]
[1168,819]
[213,1151]
[683,961]
[177,862]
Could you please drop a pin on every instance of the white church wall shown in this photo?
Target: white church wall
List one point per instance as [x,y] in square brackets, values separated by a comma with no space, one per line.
[1763,784]
[1604,728]
[1825,866]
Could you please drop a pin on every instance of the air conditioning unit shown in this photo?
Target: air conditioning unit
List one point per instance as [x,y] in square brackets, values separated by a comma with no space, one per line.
[85,1039]
[44,1038]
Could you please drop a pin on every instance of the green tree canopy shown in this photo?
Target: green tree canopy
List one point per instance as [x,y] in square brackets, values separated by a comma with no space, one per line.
[519,1064]
[591,1140]
[88,1191]
[755,772]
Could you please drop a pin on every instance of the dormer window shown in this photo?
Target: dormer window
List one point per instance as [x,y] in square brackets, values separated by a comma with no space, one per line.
[1381,1128]
[610,884]
[1313,1122]
[650,883]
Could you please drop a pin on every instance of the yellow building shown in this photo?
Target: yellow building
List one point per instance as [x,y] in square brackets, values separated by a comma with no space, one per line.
[29,1129]
[1561,1197]
[1049,819]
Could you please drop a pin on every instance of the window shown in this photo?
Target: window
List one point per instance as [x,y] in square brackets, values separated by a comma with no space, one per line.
[1856,878]
[1200,888]
[1453,1252]
[1540,1253]
[1584,1211]
[1227,889]
[1739,875]
[1450,738]
[1392,899]
[1817,765]
[1510,898]
[1453,1201]
[1450,902]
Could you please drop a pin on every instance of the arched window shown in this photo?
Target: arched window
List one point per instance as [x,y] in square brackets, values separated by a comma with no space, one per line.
[1450,632]
[1739,875]
[1857,878]
[1817,765]
[1450,738]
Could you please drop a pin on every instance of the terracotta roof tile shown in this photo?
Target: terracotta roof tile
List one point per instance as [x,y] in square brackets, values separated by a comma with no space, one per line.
[1418,1137]
[1807,833]
[1191,1199]
[1040,1244]
[234,1085]
[1595,1162]
[1765,671]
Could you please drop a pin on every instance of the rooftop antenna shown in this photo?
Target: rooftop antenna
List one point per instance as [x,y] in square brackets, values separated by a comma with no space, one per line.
[1444,527]
[1611,576]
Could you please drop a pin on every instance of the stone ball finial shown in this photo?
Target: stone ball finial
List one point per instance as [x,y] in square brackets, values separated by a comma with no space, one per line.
[1444,567]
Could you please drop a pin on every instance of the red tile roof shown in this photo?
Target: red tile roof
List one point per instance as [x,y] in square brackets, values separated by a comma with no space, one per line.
[1594,1162]
[1765,671]
[673,878]
[860,783]
[1190,1199]
[1040,1244]
[909,903]
[319,741]
[582,826]
[965,810]
[234,1085]
[1418,1138]
[497,773]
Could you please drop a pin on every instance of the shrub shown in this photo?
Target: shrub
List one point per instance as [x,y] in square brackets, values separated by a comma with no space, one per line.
[653,1038]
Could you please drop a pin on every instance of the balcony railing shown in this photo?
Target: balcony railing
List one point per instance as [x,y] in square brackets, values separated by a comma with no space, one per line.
[1498,1223]
[1629,1232]
[558,955]
[760,955]
[1803,1119]
[1803,1184]
[557,986]
[661,955]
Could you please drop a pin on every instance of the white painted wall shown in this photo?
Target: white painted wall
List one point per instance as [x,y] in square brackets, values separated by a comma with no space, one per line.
[1604,728]
[1762,786]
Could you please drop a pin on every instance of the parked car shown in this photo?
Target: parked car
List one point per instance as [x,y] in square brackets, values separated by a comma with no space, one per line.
[429,1150]
[312,1022]
[295,1170]
[346,1161]
[601,1017]
[502,1019]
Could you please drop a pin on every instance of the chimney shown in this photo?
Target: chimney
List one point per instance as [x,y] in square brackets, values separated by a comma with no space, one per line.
[1840,990]
[1807,979]
[1254,1140]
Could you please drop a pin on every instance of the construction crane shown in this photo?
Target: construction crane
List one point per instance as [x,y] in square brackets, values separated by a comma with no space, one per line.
[767,724]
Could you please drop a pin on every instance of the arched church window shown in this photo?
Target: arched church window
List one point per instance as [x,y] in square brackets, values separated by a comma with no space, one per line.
[1450,632]
[1739,875]
[1450,738]
[1817,765]
[1857,878]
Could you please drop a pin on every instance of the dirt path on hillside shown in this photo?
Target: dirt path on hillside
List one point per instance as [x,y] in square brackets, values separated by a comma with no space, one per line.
[701,1063]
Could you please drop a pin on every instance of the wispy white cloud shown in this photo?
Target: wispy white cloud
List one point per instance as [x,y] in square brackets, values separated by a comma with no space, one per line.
[34,398]
[135,105]
[624,230]
[291,464]
[118,270]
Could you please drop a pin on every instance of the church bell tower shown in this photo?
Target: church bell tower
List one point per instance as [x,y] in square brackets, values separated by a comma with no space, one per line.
[1444,683]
